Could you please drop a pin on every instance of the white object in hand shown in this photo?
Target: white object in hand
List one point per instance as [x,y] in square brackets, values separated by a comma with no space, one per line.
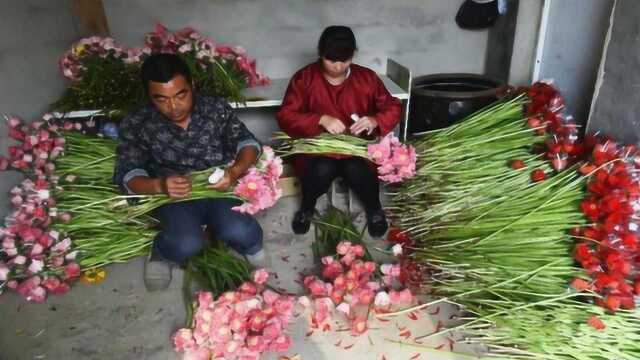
[355,117]
[216,176]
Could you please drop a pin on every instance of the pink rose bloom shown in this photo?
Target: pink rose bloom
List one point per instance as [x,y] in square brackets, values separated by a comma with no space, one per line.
[405,296]
[370,266]
[238,324]
[344,308]
[373,285]
[397,249]
[340,282]
[317,288]
[365,296]
[57,261]
[36,249]
[337,296]
[257,322]
[332,271]
[205,298]
[45,240]
[382,300]
[272,331]
[386,269]
[304,301]
[255,343]
[327,260]
[359,326]
[230,296]
[35,267]
[201,333]
[13,121]
[19,260]
[72,271]
[201,353]
[16,200]
[222,315]
[260,276]
[248,288]
[37,294]
[63,288]
[4,271]
[8,243]
[395,270]
[50,283]
[270,296]
[284,306]
[183,340]
[380,151]
[281,343]
[387,280]
[62,246]
[343,247]
[204,315]
[358,250]
[220,333]
[348,259]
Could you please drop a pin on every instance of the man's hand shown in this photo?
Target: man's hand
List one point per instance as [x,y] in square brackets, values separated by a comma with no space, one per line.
[228,181]
[365,123]
[332,125]
[176,186]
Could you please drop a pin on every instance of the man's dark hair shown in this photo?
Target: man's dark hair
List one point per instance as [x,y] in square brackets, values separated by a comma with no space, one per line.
[337,43]
[162,68]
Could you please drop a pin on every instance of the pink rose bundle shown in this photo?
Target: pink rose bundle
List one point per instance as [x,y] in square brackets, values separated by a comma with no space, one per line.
[259,187]
[352,287]
[240,324]
[395,160]
[35,260]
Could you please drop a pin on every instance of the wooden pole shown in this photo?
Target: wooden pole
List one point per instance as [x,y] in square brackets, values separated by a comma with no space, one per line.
[92,16]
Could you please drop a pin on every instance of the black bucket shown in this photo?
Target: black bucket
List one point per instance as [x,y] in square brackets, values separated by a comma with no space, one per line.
[440,100]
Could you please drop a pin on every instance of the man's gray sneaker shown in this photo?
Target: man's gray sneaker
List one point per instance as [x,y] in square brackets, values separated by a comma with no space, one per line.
[157,272]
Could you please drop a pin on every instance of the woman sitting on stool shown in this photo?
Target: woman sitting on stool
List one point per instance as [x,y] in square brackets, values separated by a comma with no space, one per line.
[322,97]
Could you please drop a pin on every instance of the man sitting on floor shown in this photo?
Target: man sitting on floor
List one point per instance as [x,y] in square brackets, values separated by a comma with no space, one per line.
[161,143]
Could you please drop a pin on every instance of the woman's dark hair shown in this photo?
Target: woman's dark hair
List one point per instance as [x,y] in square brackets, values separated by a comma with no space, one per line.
[162,68]
[337,43]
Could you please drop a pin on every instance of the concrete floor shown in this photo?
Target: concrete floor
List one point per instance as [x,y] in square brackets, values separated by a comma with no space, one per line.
[118,319]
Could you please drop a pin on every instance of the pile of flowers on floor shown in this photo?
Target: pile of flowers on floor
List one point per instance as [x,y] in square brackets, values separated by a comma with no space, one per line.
[494,214]
[352,289]
[64,219]
[239,324]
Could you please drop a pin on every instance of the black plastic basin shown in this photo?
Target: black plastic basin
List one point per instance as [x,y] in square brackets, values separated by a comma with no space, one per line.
[440,100]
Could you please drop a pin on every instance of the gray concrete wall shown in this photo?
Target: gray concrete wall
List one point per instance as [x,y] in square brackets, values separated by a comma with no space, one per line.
[33,34]
[282,34]
[573,48]
[616,107]
[525,42]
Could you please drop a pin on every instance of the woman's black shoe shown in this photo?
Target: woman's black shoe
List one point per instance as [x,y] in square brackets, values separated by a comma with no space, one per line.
[301,221]
[377,223]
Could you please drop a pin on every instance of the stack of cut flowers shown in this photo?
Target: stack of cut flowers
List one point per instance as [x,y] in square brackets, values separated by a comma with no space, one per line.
[395,161]
[104,74]
[353,288]
[68,215]
[489,216]
[240,324]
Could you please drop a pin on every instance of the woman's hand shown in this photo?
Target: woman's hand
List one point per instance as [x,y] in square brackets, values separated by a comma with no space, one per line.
[365,123]
[332,125]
